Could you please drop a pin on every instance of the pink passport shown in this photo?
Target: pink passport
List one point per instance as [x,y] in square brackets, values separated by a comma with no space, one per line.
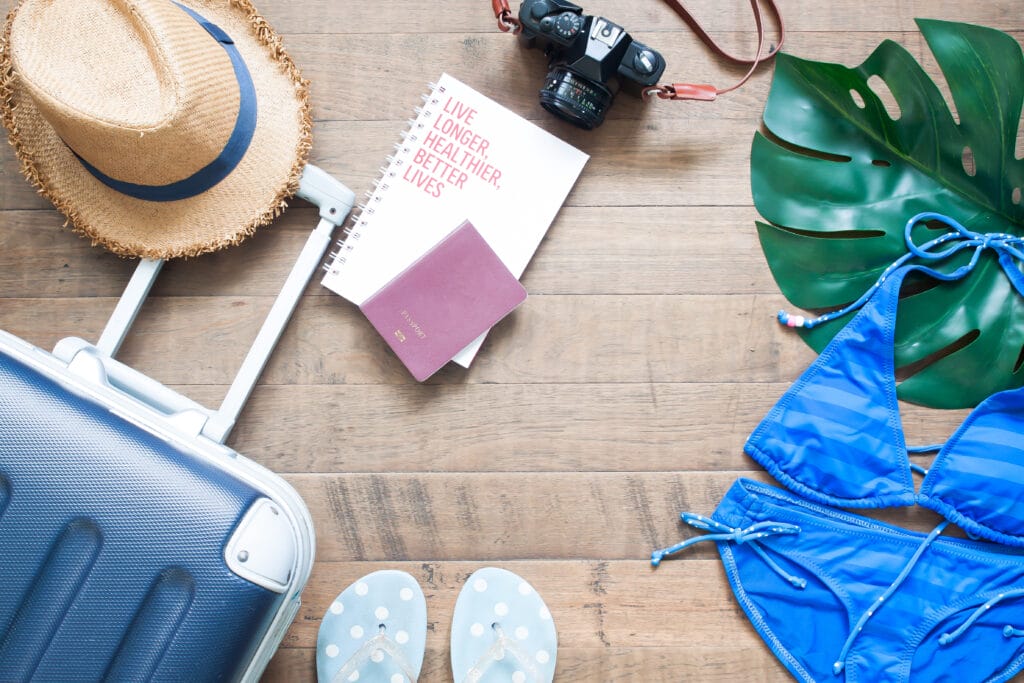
[454,293]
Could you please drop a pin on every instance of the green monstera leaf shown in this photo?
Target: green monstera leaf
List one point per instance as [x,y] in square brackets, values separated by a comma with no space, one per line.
[839,174]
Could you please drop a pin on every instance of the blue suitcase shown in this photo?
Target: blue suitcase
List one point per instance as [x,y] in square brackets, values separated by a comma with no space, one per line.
[135,545]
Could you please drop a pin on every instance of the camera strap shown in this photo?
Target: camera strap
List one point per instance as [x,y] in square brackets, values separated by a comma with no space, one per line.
[707,92]
[507,21]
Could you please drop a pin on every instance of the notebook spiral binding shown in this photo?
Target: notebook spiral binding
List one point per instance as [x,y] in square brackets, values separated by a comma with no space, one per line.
[361,215]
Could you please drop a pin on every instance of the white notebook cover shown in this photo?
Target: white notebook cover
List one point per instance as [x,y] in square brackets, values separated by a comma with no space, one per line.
[464,157]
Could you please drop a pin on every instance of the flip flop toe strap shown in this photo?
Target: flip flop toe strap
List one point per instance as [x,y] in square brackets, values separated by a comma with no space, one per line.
[496,652]
[382,643]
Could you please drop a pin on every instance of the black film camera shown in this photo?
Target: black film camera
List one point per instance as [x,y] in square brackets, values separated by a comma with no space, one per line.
[591,58]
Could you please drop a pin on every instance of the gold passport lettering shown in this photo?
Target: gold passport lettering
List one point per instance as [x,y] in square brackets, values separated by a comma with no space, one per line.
[413,325]
[401,337]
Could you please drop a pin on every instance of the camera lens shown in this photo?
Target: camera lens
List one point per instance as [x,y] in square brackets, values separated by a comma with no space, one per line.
[579,101]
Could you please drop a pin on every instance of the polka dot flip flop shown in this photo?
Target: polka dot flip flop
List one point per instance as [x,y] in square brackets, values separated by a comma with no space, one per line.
[374,632]
[502,631]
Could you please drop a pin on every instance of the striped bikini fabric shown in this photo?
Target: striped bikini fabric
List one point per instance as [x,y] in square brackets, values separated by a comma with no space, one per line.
[835,437]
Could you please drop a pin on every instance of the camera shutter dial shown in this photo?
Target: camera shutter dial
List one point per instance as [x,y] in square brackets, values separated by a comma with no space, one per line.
[566,25]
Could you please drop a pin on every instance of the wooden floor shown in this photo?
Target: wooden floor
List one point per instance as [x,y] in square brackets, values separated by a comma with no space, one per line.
[619,395]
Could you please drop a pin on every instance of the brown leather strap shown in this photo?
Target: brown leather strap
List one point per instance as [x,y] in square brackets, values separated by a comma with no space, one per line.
[506,20]
[705,92]
[718,49]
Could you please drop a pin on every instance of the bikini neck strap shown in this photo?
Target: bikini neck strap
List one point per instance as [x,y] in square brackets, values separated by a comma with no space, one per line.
[1009,248]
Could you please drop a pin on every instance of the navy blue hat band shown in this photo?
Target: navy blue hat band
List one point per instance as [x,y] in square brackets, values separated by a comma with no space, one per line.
[229,157]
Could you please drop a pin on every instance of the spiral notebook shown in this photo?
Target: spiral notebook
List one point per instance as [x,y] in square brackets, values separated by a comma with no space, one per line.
[464,156]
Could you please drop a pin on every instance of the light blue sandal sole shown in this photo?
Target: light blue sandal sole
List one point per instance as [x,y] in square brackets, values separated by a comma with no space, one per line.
[502,631]
[374,632]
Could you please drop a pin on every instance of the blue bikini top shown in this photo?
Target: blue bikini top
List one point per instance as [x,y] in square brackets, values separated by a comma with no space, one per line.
[835,437]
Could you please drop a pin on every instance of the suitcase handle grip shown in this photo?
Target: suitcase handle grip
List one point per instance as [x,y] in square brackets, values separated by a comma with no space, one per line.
[88,362]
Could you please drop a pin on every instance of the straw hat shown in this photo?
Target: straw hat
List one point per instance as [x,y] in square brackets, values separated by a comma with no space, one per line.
[158,128]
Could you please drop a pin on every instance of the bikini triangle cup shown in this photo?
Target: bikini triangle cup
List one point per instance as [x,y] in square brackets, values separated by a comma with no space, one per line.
[835,437]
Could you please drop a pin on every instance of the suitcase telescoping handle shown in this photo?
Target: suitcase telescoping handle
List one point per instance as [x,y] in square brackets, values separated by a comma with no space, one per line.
[317,187]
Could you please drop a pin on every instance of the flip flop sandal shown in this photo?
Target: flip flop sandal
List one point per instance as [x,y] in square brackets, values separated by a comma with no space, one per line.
[374,632]
[502,631]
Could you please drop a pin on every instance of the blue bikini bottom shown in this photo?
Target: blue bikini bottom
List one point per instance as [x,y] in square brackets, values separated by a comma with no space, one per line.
[841,597]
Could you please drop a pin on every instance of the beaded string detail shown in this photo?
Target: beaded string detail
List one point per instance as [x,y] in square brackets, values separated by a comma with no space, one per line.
[1010,250]
[750,535]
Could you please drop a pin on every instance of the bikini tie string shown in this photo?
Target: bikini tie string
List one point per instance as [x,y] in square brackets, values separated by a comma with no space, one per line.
[840,663]
[750,535]
[1008,631]
[1009,248]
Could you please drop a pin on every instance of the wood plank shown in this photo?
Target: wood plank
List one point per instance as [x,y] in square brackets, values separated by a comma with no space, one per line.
[643,338]
[689,250]
[518,428]
[503,428]
[499,67]
[41,258]
[489,517]
[686,427]
[512,74]
[475,16]
[352,22]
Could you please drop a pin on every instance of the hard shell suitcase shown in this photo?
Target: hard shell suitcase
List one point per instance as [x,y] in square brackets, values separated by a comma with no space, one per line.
[134,545]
